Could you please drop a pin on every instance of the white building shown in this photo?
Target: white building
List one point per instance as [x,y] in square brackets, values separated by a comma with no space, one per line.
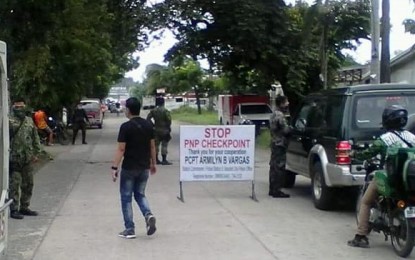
[403,67]
[402,70]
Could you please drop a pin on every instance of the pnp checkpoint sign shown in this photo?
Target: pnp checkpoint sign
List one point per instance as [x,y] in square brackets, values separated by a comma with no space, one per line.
[217,153]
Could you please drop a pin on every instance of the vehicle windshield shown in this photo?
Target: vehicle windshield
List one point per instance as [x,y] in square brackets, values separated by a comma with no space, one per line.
[90,105]
[255,109]
[369,109]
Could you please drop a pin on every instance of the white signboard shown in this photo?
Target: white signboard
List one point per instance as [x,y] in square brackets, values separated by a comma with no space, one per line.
[217,153]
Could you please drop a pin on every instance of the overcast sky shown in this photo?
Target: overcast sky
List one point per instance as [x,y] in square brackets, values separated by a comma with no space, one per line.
[400,9]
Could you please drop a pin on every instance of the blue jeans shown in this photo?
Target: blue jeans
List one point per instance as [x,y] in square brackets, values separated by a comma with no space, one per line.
[133,181]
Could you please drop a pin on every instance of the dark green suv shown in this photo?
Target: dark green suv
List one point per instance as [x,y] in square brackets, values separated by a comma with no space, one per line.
[325,127]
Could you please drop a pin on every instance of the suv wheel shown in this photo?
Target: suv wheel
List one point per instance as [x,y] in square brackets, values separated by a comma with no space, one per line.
[289,179]
[323,196]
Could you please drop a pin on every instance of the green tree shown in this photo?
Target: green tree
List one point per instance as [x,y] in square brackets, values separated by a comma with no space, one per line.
[256,43]
[409,24]
[318,35]
[138,91]
[157,76]
[349,61]
[67,49]
[333,27]
[183,74]
[188,75]
[235,36]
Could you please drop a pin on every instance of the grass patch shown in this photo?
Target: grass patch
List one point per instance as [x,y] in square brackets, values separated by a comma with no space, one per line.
[190,115]
[263,140]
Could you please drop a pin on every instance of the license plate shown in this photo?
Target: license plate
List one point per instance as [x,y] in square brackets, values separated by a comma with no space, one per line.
[410,212]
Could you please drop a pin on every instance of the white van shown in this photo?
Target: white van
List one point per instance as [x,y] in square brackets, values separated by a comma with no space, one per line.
[92,107]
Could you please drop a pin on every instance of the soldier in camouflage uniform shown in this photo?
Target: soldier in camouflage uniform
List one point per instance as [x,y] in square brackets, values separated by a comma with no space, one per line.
[162,129]
[279,129]
[24,149]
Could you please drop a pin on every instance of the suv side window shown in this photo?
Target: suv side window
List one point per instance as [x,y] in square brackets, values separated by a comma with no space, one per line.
[334,115]
[316,118]
[310,115]
[322,113]
[300,121]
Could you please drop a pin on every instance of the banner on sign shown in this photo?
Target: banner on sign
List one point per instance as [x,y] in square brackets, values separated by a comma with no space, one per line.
[217,153]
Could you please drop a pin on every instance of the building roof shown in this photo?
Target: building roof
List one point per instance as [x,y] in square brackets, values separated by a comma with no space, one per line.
[403,56]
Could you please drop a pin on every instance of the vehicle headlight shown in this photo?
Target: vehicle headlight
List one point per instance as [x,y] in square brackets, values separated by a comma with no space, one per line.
[246,122]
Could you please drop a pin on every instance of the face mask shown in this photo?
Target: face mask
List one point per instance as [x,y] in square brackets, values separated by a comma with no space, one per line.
[19,113]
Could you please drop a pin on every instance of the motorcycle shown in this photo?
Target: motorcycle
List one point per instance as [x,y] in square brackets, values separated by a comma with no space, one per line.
[393,213]
[60,133]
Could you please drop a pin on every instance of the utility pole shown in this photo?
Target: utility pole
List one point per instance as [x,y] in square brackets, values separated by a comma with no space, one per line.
[375,31]
[324,39]
[385,70]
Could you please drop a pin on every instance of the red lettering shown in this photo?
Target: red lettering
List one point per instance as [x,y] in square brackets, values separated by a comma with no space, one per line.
[227,132]
[217,132]
[207,133]
[191,143]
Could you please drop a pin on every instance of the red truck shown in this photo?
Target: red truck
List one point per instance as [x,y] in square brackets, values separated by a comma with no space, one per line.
[235,109]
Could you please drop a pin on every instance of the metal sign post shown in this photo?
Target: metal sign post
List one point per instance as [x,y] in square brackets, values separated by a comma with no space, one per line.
[181,198]
[4,148]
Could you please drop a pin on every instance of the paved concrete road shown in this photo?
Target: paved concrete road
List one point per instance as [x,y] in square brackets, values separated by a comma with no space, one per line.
[81,217]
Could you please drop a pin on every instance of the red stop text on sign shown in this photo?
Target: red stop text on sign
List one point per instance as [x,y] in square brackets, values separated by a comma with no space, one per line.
[214,132]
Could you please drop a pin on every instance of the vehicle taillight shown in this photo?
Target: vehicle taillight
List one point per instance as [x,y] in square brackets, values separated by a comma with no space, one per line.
[343,149]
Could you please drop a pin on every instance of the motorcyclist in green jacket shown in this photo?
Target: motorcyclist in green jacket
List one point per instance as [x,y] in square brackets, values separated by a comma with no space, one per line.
[394,119]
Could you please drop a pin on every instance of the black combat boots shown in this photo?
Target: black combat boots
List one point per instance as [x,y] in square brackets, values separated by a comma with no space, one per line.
[16,214]
[165,162]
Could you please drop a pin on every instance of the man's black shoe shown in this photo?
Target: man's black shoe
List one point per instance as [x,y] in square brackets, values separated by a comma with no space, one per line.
[28,212]
[359,241]
[280,194]
[84,143]
[151,224]
[158,162]
[16,214]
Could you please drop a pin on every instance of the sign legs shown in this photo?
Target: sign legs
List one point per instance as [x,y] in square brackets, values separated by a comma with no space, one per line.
[253,196]
[181,198]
